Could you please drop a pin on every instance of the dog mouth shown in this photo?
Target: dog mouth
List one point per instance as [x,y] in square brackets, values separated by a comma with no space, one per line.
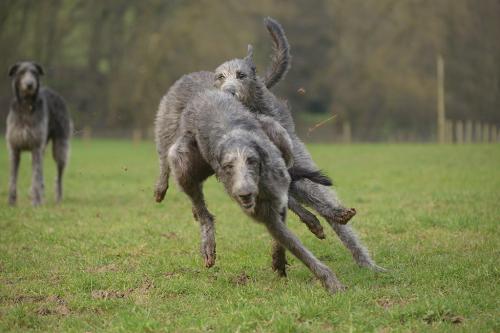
[248,204]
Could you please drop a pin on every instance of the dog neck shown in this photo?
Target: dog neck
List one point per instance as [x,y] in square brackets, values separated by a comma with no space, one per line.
[25,102]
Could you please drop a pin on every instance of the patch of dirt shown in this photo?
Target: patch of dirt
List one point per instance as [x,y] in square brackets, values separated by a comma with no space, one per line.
[139,293]
[446,316]
[241,280]
[388,303]
[169,235]
[109,294]
[28,299]
[181,271]
[55,305]
[103,269]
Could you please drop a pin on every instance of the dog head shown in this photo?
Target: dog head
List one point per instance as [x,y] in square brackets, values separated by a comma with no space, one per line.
[26,78]
[240,165]
[238,77]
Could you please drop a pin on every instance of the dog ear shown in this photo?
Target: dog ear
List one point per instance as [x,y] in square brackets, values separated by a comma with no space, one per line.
[249,59]
[39,68]
[249,55]
[13,69]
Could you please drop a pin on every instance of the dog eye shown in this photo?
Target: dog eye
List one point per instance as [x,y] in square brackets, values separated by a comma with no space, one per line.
[251,161]
[227,167]
[240,75]
[220,77]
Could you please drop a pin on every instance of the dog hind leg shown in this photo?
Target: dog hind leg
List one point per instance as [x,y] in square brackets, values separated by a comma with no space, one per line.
[60,152]
[327,204]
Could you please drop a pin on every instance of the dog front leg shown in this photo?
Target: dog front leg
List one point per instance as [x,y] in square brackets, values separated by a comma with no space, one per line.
[285,237]
[15,159]
[37,185]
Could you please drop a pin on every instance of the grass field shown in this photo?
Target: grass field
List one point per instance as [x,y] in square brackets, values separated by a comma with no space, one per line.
[110,259]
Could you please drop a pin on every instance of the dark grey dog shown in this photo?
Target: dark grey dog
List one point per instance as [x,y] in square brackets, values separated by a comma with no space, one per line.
[173,103]
[218,135]
[37,115]
[239,77]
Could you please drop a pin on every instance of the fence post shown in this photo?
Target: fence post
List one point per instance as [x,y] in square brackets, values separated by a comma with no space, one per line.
[494,135]
[486,132]
[468,131]
[449,131]
[136,135]
[459,132]
[346,132]
[86,133]
[441,119]
[477,132]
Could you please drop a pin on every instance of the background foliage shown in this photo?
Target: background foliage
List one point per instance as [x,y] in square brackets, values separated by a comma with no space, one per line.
[370,62]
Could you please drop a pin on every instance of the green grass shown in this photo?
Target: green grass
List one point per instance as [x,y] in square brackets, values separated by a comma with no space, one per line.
[110,259]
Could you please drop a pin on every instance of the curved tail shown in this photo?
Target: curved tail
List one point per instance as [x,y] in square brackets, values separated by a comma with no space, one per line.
[281,58]
[316,176]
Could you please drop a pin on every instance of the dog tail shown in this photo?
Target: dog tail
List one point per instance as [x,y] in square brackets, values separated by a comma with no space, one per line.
[316,176]
[281,58]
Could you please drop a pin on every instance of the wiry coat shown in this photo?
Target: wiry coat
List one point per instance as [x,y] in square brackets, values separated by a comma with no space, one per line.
[239,78]
[218,135]
[36,116]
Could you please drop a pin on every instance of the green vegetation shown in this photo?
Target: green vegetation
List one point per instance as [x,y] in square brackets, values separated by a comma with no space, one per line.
[371,62]
[110,259]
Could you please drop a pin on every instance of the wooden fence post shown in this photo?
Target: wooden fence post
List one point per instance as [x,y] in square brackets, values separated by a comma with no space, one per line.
[136,135]
[459,132]
[346,132]
[477,132]
[449,131]
[486,132]
[494,135]
[441,118]
[468,131]
[86,133]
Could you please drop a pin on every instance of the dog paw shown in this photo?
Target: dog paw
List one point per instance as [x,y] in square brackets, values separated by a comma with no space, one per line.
[208,253]
[344,216]
[160,194]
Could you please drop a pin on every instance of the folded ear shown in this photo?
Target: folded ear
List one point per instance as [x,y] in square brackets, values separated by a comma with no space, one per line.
[13,69]
[279,136]
[39,68]
[249,52]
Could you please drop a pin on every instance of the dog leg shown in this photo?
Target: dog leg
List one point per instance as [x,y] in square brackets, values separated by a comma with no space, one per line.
[306,217]
[326,203]
[279,252]
[190,170]
[285,237]
[37,185]
[60,151]
[162,182]
[15,159]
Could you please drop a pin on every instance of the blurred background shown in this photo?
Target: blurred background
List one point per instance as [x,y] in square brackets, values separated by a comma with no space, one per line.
[372,63]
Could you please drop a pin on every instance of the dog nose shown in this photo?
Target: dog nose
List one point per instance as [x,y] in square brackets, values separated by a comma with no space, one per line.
[29,85]
[231,90]
[245,197]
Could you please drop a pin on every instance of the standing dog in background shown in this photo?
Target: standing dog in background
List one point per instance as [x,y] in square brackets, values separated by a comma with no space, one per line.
[37,115]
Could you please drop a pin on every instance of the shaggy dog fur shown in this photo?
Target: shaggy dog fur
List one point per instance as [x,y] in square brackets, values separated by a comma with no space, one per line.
[36,116]
[218,135]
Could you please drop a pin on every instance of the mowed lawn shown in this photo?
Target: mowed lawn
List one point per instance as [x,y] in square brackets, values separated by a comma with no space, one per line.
[111,259]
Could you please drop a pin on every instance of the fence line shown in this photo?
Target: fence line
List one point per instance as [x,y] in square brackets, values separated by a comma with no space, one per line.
[455,131]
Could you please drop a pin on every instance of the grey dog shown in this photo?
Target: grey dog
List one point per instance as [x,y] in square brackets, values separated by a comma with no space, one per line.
[239,78]
[173,103]
[37,115]
[218,135]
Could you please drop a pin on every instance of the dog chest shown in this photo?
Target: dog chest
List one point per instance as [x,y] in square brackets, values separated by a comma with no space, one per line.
[27,131]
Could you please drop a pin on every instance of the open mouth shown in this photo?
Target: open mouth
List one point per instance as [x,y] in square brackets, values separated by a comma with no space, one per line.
[247,204]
